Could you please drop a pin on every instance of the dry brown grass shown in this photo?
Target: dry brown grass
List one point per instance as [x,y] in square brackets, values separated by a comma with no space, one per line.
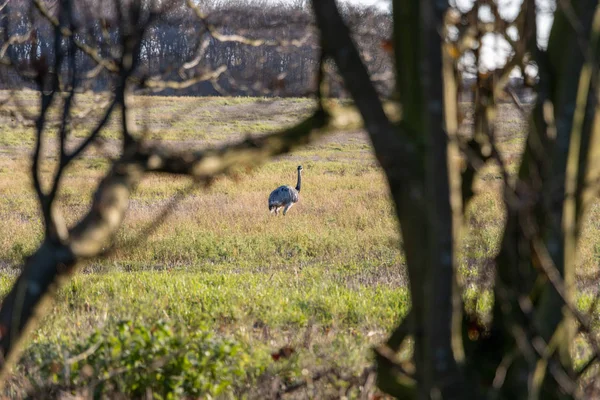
[219,260]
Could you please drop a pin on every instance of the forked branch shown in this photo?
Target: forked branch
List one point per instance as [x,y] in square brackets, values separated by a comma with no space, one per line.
[53,261]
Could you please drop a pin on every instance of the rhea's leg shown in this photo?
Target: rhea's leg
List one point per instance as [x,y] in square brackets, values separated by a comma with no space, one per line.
[287,207]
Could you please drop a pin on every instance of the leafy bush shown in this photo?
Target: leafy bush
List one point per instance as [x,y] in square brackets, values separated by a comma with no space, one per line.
[132,359]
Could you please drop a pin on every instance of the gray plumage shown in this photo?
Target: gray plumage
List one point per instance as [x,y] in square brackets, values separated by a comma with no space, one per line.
[285,196]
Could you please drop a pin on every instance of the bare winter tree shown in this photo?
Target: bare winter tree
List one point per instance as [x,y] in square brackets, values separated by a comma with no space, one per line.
[524,350]
[120,55]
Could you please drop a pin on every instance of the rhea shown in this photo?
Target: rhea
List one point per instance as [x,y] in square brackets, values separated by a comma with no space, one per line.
[285,196]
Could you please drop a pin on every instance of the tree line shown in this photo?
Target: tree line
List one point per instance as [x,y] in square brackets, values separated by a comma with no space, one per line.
[201,49]
[209,48]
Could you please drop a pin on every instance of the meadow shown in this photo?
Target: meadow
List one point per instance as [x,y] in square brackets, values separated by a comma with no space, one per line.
[221,298]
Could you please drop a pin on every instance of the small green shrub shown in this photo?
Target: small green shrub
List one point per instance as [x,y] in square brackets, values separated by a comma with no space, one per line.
[132,359]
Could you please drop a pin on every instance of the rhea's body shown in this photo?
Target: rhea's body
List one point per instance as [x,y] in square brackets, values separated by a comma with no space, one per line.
[285,196]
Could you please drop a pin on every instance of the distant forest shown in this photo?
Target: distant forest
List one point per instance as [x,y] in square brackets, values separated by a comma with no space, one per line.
[201,48]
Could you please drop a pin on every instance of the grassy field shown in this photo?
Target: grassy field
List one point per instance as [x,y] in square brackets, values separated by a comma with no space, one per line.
[220,290]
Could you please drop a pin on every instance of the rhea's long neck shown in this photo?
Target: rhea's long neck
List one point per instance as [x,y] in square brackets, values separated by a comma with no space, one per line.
[299,181]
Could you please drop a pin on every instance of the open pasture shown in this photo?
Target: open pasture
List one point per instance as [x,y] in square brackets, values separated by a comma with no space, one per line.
[219,278]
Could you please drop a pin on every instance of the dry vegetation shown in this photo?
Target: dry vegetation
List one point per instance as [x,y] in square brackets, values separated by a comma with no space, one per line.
[326,280]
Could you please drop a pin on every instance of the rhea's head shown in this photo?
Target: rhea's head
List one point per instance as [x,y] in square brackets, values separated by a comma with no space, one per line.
[300,168]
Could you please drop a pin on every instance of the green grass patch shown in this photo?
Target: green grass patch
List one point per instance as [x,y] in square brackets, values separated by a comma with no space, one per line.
[197,334]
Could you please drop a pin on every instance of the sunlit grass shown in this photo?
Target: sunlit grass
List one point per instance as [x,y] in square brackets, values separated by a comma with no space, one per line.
[221,263]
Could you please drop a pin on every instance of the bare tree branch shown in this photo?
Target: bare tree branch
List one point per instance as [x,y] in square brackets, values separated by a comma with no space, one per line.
[53,261]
